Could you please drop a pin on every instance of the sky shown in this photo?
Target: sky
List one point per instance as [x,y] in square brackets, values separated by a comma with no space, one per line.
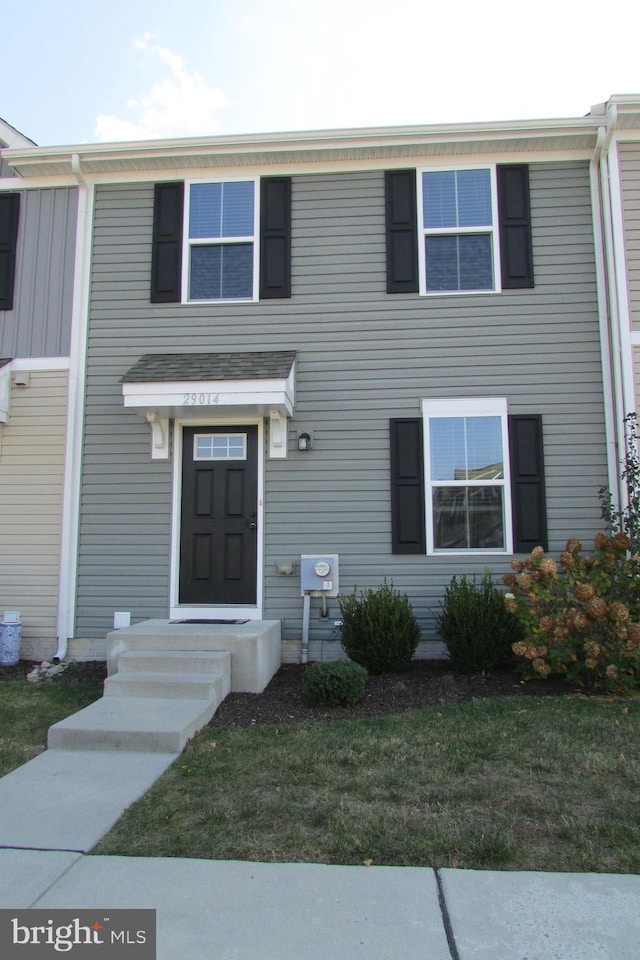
[80,71]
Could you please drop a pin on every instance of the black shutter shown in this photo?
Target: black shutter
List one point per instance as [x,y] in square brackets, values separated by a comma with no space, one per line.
[407,486]
[516,256]
[275,237]
[401,231]
[527,482]
[9,213]
[166,257]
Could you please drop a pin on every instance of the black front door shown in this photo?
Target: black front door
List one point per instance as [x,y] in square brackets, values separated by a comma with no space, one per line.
[218,537]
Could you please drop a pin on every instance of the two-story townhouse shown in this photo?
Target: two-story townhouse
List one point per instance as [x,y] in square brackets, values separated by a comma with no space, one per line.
[390,346]
[37,255]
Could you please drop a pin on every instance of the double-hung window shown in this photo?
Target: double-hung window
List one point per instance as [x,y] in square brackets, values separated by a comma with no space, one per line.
[221,231]
[459,214]
[468,488]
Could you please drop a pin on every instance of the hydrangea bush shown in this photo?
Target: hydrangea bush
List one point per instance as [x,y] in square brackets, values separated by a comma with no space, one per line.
[582,616]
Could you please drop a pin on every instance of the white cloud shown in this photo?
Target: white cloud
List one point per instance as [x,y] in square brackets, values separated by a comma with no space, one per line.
[180,104]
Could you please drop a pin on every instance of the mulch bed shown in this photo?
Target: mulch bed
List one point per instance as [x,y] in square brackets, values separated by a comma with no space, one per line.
[427,683]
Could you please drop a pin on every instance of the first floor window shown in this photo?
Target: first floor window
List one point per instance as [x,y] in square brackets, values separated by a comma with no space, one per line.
[221,239]
[467,476]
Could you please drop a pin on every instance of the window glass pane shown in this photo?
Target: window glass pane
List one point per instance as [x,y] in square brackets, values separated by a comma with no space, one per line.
[466,448]
[206,273]
[468,518]
[220,446]
[237,271]
[221,272]
[456,198]
[442,263]
[220,210]
[205,210]
[439,199]
[237,209]
[474,198]
[475,262]
[485,460]
[462,262]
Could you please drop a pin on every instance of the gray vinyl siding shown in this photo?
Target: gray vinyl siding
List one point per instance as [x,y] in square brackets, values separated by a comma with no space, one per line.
[31,483]
[363,356]
[630,176]
[40,323]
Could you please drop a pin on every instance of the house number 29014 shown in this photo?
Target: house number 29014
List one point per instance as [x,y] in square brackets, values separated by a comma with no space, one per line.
[200,399]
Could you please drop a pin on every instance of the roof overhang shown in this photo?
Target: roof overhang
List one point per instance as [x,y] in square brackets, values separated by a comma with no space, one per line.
[175,158]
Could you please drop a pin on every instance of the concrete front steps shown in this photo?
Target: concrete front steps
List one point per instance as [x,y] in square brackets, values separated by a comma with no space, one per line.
[155,702]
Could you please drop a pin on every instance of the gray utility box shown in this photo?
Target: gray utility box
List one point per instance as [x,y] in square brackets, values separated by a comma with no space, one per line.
[319,574]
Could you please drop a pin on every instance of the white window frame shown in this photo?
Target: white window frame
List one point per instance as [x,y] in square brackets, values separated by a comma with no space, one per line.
[189,243]
[492,231]
[473,407]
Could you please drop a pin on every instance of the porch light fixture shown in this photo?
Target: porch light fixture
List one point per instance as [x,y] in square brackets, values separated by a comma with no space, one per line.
[304,442]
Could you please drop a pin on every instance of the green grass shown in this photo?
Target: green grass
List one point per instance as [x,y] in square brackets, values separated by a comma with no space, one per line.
[512,784]
[27,711]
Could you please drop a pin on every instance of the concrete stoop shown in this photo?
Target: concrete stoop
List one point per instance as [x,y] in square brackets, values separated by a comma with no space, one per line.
[155,702]
[166,681]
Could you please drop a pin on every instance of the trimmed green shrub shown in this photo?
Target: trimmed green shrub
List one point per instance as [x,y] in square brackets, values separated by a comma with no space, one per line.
[379,629]
[476,626]
[336,684]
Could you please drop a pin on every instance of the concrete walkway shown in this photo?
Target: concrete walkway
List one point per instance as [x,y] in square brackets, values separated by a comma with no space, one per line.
[215,910]
[56,807]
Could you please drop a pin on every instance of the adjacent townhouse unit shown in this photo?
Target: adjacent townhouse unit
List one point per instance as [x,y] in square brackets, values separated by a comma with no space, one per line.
[392,350]
[37,257]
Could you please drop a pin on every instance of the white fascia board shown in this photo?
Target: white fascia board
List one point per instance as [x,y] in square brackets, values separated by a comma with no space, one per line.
[41,364]
[304,140]
[104,161]
[11,184]
[203,398]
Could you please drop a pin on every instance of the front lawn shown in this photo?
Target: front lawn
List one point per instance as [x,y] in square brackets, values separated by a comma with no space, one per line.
[547,783]
[27,710]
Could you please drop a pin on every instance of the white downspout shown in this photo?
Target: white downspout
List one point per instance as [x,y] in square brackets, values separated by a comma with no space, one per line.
[620,266]
[616,287]
[610,380]
[75,412]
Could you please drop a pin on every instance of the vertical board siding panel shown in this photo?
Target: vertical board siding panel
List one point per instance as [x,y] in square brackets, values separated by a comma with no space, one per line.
[362,357]
[31,480]
[40,323]
[630,177]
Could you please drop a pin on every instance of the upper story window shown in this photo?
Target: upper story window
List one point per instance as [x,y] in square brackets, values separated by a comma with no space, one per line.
[459,224]
[458,231]
[221,239]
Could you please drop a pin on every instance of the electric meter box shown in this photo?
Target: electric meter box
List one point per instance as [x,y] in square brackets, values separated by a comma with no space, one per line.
[319,574]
